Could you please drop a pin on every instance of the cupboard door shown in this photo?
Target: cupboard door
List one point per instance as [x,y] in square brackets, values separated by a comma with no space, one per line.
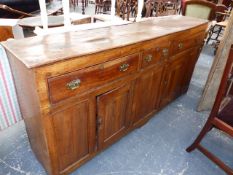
[114,110]
[193,56]
[175,73]
[74,133]
[147,92]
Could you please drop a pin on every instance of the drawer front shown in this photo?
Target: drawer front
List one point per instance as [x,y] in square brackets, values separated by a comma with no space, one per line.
[182,44]
[154,56]
[71,84]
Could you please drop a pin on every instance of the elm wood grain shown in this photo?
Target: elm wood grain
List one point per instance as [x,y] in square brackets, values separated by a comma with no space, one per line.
[71,65]
[114,113]
[174,77]
[103,73]
[183,42]
[192,59]
[85,61]
[38,51]
[155,55]
[74,133]
[146,94]
[51,112]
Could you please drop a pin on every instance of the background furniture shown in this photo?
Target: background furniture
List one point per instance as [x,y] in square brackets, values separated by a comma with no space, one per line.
[30,23]
[102,6]
[18,8]
[54,21]
[228,4]
[111,85]
[161,7]
[221,115]
[199,9]
[219,24]
[14,10]
[84,4]
[124,8]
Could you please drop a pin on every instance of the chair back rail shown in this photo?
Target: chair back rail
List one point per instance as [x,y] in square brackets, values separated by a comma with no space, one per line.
[200,9]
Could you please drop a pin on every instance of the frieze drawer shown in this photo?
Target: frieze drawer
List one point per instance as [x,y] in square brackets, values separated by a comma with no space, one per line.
[182,43]
[71,84]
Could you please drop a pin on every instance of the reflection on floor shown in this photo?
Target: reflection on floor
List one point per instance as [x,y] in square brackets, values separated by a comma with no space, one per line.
[157,148]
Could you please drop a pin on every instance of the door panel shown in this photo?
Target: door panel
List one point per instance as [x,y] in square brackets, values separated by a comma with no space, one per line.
[114,111]
[146,92]
[193,56]
[73,133]
[173,84]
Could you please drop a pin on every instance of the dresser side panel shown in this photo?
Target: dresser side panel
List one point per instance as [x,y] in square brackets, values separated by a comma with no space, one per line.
[26,90]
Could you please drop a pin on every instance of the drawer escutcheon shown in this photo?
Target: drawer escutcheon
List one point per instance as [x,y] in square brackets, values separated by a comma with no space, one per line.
[124,67]
[73,84]
[180,45]
[165,52]
[148,58]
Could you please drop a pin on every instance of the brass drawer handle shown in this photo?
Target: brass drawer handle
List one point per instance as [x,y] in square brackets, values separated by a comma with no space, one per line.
[124,67]
[148,58]
[73,84]
[165,52]
[180,45]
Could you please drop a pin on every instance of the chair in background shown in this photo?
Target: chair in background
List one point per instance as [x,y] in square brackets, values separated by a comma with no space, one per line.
[149,8]
[161,7]
[221,115]
[228,4]
[213,1]
[102,6]
[199,9]
[134,7]
[99,5]
[219,24]
[172,7]
[74,4]
[123,11]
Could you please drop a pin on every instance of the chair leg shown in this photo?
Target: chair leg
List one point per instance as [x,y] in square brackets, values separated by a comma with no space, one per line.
[219,31]
[211,31]
[201,135]
[95,9]
[86,3]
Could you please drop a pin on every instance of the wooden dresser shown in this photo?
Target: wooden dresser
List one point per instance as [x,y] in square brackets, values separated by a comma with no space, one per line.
[80,92]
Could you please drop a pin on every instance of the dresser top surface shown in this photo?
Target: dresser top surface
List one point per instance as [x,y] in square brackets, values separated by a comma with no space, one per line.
[42,50]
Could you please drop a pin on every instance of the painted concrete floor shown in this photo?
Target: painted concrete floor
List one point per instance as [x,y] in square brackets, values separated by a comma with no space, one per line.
[157,148]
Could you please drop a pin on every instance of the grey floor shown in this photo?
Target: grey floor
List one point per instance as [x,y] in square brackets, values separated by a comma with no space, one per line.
[157,148]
